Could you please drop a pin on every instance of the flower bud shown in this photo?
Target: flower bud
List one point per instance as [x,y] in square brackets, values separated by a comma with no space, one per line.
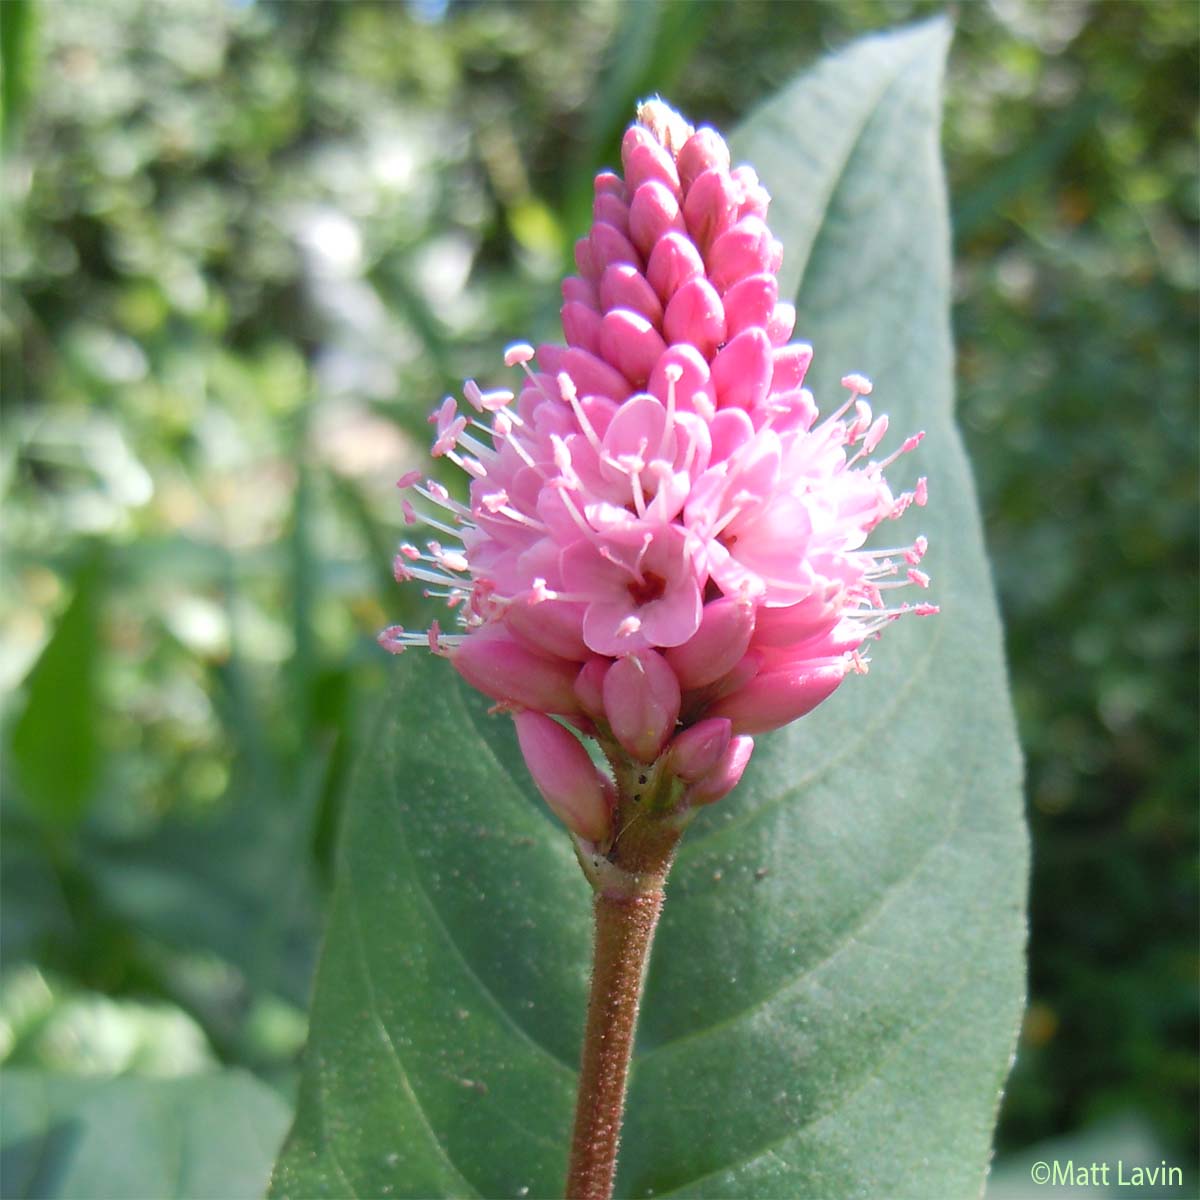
[776,697]
[715,648]
[741,373]
[567,778]
[641,703]
[814,616]
[504,669]
[705,149]
[553,627]
[589,686]
[695,751]
[724,777]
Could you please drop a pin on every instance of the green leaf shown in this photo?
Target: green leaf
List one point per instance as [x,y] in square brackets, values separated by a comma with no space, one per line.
[834,996]
[17,52]
[54,742]
[197,1136]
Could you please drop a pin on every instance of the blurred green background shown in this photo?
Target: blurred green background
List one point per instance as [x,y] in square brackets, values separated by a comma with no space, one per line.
[247,246]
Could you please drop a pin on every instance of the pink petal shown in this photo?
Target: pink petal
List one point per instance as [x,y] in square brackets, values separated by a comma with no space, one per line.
[581,326]
[631,344]
[750,302]
[696,316]
[603,629]
[653,212]
[704,150]
[593,375]
[609,245]
[742,250]
[742,371]
[673,619]
[607,181]
[613,210]
[673,261]
[710,207]
[695,380]
[574,287]
[781,324]
[623,286]
[645,158]
[585,261]
[731,428]
[789,366]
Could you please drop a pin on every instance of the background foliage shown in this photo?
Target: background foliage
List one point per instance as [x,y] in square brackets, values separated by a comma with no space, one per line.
[247,246]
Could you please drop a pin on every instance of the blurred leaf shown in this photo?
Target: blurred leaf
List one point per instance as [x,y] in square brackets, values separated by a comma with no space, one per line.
[46,1023]
[1034,161]
[240,883]
[55,746]
[16,63]
[194,1138]
[833,1000]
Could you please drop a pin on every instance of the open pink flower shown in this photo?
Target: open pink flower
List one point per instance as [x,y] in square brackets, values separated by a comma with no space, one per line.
[636,596]
[662,493]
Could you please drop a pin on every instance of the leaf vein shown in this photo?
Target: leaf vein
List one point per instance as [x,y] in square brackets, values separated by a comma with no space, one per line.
[560,1063]
[405,1082]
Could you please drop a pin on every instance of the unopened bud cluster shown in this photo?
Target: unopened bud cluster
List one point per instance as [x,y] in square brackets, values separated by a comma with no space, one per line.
[662,544]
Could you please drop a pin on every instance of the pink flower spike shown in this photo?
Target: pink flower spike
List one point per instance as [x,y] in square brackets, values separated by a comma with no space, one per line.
[569,782]
[659,522]
[775,698]
[641,703]
[693,753]
[725,776]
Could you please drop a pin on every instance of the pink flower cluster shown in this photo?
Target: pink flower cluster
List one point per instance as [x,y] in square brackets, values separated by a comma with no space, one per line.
[663,543]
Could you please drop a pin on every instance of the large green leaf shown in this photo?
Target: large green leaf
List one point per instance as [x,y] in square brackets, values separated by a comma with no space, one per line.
[833,999]
[197,1137]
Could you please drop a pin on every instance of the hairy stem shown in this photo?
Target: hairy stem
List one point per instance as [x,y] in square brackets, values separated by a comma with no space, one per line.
[624,932]
[628,875]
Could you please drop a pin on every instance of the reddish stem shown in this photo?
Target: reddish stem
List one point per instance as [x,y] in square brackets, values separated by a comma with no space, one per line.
[624,932]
